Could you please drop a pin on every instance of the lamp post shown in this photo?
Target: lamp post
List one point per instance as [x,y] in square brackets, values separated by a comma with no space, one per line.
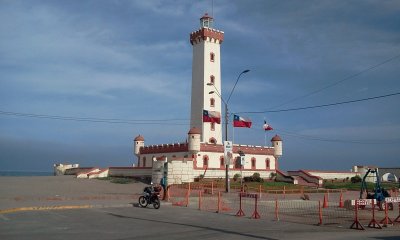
[227,185]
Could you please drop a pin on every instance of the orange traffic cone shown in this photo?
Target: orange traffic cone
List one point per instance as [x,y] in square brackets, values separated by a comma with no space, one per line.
[325,204]
[341,205]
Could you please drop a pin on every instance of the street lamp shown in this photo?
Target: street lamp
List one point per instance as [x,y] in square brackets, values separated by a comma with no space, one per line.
[227,185]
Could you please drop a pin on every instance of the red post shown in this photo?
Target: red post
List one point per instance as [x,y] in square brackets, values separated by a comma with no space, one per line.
[356,222]
[276,210]
[219,202]
[319,213]
[199,199]
[255,213]
[341,205]
[187,197]
[240,212]
[386,220]
[373,223]
[398,217]
[284,192]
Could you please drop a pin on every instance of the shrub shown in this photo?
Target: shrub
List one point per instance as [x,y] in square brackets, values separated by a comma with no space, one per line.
[236,176]
[355,179]
[248,179]
[256,177]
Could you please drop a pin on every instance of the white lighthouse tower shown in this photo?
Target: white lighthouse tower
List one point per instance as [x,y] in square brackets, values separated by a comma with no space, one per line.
[206,78]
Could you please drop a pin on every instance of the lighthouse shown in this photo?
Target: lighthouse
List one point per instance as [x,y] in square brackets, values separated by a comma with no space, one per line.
[206,79]
[202,154]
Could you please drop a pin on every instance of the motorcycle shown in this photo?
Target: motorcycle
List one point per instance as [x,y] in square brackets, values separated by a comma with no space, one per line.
[151,195]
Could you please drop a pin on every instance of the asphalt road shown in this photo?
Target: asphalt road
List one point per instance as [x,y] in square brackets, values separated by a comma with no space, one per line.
[168,222]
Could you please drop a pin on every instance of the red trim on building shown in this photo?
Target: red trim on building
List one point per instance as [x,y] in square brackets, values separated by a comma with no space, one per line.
[165,148]
[246,149]
[203,33]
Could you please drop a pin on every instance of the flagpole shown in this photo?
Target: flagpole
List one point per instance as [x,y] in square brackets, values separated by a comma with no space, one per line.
[265,133]
[265,138]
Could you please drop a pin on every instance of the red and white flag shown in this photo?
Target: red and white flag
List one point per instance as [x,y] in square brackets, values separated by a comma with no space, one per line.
[267,127]
[211,116]
[241,122]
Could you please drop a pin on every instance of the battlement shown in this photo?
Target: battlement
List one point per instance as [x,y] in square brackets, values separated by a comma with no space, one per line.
[165,148]
[204,33]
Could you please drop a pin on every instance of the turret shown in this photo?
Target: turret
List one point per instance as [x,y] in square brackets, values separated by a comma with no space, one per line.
[138,143]
[194,140]
[206,21]
[277,145]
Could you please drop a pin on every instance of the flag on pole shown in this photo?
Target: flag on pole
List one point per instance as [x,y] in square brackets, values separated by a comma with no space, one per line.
[211,116]
[267,127]
[241,122]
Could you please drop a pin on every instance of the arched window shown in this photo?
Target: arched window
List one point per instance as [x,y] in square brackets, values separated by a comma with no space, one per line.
[253,163]
[212,57]
[212,126]
[144,161]
[205,161]
[213,140]
[221,162]
[212,102]
[212,79]
[267,162]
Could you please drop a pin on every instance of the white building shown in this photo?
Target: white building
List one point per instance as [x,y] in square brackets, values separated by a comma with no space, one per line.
[203,152]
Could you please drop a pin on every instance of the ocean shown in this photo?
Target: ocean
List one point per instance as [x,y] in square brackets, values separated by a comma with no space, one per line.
[25,173]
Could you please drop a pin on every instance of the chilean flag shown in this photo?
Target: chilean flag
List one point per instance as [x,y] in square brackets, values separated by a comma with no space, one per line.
[211,116]
[241,122]
[267,127]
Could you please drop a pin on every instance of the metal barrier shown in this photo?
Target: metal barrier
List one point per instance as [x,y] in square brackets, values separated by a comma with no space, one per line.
[327,208]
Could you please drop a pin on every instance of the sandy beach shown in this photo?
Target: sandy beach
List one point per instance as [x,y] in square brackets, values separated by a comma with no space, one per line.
[42,191]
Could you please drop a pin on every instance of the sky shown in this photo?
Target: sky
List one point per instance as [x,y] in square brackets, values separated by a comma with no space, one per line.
[79,80]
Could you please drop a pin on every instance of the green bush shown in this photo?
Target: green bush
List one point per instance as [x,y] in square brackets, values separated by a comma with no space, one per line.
[257,178]
[355,179]
[236,176]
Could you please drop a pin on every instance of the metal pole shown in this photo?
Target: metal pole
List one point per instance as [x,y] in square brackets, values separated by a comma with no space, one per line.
[227,184]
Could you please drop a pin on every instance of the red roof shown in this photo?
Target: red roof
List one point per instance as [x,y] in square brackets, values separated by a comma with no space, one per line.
[206,16]
[194,130]
[139,138]
[276,138]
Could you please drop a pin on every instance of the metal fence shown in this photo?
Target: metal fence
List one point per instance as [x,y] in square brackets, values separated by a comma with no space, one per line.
[306,206]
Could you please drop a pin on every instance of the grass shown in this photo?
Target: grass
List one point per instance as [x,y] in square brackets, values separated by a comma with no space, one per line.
[267,185]
[118,180]
[357,186]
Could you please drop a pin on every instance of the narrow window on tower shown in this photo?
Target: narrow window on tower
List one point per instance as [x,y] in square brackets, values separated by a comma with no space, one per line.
[212,57]
[144,161]
[212,126]
[212,102]
[267,163]
[212,79]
